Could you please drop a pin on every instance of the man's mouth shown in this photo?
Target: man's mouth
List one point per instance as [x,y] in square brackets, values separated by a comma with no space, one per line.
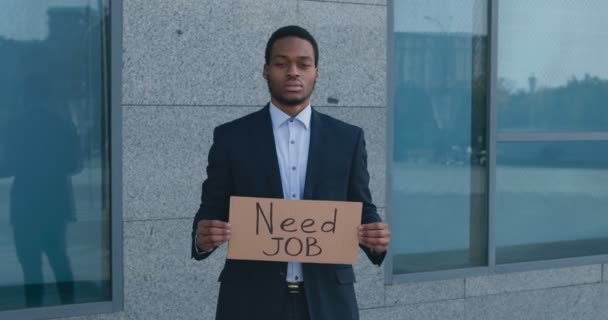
[293,86]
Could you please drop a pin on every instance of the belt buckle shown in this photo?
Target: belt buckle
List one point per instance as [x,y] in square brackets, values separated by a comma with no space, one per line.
[293,287]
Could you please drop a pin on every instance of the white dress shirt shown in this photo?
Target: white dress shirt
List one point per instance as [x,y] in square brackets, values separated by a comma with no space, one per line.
[292,140]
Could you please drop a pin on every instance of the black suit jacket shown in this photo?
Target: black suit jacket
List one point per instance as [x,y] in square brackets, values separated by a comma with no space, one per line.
[243,162]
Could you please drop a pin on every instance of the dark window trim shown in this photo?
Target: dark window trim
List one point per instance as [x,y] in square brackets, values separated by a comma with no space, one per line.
[116,11]
[390,140]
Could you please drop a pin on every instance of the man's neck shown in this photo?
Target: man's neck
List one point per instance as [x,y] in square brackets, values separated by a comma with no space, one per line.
[290,110]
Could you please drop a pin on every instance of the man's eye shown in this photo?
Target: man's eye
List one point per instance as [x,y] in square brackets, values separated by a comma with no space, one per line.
[304,66]
[280,64]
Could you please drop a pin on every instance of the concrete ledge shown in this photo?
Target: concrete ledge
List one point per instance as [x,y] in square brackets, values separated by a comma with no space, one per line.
[447,310]
[605,273]
[410,293]
[531,280]
[585,302]
[375,2]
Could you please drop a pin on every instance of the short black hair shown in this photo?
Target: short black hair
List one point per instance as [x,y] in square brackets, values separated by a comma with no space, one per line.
[291,31]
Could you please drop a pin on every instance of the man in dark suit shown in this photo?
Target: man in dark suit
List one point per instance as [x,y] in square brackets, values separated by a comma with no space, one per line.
[287,150]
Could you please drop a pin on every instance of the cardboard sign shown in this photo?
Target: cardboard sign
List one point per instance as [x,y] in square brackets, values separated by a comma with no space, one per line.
[294,230]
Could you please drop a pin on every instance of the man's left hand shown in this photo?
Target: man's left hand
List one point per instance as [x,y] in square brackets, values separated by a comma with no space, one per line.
[375,236]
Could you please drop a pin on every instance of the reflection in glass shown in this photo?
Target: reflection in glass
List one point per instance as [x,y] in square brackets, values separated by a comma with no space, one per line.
[552,65]
[54,218]
[42,153]
[551,200]
[438,200]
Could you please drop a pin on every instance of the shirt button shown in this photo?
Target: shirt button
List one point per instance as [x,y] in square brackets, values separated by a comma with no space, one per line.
[290,120]
[293,168]
[293,195]
[292,142]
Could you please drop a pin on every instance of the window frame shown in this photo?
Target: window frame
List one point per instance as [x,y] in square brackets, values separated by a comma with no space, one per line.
[115,156]
[494,136]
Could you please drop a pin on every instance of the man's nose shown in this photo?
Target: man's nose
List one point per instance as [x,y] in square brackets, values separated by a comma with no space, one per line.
[292,70]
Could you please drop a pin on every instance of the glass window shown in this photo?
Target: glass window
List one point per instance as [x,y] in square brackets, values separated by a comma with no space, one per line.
[54,167]
[551,200]
[552,77]
[439,177]
[552,67]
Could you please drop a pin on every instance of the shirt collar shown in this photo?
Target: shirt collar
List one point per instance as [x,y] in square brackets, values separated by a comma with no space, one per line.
[279,117]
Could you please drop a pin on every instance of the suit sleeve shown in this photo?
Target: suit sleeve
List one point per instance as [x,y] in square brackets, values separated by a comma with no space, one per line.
[358,190]
[216,188]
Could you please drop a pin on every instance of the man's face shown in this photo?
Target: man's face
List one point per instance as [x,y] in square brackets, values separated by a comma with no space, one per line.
[291,74]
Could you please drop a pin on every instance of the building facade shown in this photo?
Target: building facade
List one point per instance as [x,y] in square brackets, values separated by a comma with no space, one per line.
[486,129]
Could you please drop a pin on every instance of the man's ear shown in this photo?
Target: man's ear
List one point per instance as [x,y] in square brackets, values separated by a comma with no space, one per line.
[265,72]
[317,74]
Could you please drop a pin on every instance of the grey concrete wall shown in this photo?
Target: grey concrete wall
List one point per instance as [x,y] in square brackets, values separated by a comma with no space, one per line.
[190,65]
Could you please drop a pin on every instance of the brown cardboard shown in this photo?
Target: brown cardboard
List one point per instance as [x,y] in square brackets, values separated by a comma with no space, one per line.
[294,230]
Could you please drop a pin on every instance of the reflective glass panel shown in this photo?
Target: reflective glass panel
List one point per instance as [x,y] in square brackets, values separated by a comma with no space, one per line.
[438,193]
[54,174]
[552,65]
[551,200]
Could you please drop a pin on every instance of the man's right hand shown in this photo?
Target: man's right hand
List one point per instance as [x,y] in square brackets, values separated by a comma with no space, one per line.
[210,234]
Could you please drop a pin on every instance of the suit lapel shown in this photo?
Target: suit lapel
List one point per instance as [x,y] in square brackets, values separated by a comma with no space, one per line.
[267,148]
[315,153]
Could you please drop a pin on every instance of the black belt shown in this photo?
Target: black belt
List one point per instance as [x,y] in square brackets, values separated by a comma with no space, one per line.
[295,287]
